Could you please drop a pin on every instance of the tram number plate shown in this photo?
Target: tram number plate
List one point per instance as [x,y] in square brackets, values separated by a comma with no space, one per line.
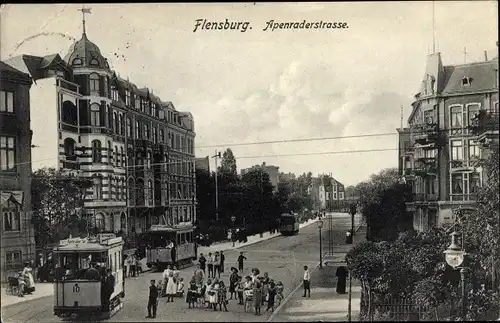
[76,288]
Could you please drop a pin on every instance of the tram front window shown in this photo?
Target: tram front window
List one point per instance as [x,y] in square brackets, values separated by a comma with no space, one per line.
[161,240]
[75,265]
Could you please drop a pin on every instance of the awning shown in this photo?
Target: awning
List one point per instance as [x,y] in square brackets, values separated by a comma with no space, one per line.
[16,196]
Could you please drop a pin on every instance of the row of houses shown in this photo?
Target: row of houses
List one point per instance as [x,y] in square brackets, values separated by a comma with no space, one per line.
[452,125]
[76,114]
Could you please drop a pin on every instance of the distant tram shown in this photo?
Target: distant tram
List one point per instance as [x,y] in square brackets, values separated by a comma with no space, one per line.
[75,294]
[170,245]
[289,224]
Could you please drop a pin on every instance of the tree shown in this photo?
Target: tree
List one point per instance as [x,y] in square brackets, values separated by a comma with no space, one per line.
[228,163]
[205,194]
[57,204]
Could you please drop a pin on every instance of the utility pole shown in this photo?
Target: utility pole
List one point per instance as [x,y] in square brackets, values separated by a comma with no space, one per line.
[216,156]
[261,202]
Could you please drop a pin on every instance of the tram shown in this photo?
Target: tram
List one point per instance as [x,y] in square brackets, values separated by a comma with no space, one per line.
[289,224]
[170,245]
[75,294]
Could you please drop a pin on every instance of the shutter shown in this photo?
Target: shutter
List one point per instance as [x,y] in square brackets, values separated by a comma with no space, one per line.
[101,85]
[103,114]
[84,112]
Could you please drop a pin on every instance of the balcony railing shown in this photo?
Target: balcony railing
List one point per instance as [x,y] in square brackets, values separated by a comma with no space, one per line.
[483,122]
[425,197]
[424,133]
[424,169]
[68,85]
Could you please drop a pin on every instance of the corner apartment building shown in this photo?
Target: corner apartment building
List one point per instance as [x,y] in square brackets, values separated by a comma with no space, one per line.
[272,171]
[18,241]
[329,192]
[454,118]
[137,149]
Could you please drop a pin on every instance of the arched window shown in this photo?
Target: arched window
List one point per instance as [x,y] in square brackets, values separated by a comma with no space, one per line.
[140,192]
[77,61]
[69,149]
[122,157]
[95,115]
[131,191]
[96,151]
[115,123]
[110,225]
[146,131]
[95,84]
[137,130]
[150,158]
[116,157]
[11,216]
[155,135]
[99,222]
[162,135]
[129,127]
[94,62]
[97,187]
[123,222]
[69,113]
[121,126]
[150,193]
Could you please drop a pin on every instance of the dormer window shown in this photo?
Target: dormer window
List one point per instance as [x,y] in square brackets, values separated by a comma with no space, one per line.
[77,61]
[466,81]
[94,62]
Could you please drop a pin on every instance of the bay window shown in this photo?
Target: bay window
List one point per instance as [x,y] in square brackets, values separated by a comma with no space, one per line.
[7,101]
[456,150]
[456,117]
[7,153]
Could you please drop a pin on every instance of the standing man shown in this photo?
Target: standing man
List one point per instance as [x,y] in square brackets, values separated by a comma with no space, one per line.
[307,282]
[153,300]
[202,262]
[222,259]
[107,289]
[210,265]
[217,264]
[241,258]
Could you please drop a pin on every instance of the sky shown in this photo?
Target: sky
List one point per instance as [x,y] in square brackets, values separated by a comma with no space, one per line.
[255,86]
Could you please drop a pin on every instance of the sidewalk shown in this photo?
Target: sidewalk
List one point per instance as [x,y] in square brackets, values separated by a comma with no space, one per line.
[325,304]
[41,290]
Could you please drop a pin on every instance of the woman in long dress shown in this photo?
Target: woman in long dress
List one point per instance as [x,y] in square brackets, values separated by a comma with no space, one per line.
[214,294]
[265,287]
[233,281]
[257,296]
[208,291]
[166,274]
[28,277]
[171,287]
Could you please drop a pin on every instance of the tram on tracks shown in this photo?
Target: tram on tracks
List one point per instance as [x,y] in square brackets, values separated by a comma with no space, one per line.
[89,278]
[289,224]
[170,245]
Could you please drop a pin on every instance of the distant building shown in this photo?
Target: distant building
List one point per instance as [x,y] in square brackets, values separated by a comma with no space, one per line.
[286,177]
[328,192]
[18,242]
[272,171]
[203,163]
[454,118]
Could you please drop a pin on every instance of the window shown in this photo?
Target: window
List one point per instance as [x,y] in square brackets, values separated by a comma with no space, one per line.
[474,150]
[116,163]
[94,84]
[146,131]
[69,149]
[13,260]
[105,87]
[115,123]
[430,153]
[494,110]
[473,111]
[155,135]
[94,62]
[97,187]
[137,130]
[6,101]
[475,183]
[341,195]
[149,159]
[456,117]
[162,135]
[429,117]
[7,153]
[114,94]
[129,127]
[99,221]
[457,184]
[334,196]
[127,98]
[137,103]
[122,125]
[77,62]
[456,150]
[11,216]
[122,157]
[96,151]
[95,115]
[150,192]
[466,81]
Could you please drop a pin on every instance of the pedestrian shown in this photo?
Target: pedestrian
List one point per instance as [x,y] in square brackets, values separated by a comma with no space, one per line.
[198,275]
[132,266]
[92,273]
[222,260]
[265,287]
[241,258]
[166,274]
[28,278]
[233,280]
[171,288]
[210,265]
[192,294]
[214,295]
[22,283]
[279,292]
[138,267]
[341,274]
[257,297]
[271,296]
[255,274]
[107,289]
[202,262]
[217,264]
[307,282]
[240,287]
[127,266]
[180,288]
[153,300]
[208,291]
[222,296]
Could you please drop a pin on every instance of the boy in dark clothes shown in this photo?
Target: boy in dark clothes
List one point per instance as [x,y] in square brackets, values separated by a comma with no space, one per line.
[153,299]
[272,294]
[240,261]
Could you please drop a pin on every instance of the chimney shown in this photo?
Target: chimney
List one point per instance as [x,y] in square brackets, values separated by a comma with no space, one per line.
[485,55]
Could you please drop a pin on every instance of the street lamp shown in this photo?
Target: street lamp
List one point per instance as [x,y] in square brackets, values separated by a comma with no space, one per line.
[455,257]
[233,219]
[320,226]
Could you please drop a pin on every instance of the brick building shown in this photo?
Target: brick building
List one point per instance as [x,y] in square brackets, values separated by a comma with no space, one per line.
[18,242]
[454,118]
[272,171]
[138,149]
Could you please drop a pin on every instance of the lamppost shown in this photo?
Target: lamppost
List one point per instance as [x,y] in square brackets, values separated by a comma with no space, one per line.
[233,219]
[455,257]
[320,226]
[352,210]
[216,156]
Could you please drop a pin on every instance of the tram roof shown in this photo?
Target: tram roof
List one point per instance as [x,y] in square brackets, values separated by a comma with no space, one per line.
[180,228]
[100,243]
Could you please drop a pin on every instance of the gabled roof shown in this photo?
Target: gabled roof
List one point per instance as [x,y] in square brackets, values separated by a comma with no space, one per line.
[28,64]
[482,77]
[7,71]
[8,68]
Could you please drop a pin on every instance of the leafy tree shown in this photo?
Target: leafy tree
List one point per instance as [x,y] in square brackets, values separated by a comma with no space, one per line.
[205,194]
[228,164]
[57,203]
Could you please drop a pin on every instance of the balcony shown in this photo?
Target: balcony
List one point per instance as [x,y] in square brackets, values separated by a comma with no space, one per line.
[70,164]
[424,133]
[486,127]
[425,169]
[72,87]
